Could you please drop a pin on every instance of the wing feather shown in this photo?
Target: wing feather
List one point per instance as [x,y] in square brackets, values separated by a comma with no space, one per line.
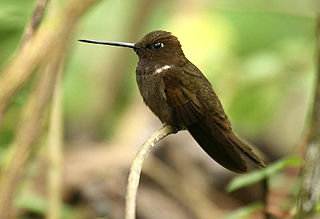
[209,127]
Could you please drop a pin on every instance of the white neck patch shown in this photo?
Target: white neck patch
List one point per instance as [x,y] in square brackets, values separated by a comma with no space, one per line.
[161,69]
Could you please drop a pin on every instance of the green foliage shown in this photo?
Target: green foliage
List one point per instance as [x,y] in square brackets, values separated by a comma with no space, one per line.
[261,30]
[244,212]
[38,205]
[317,209]
[14,15]
[258,175]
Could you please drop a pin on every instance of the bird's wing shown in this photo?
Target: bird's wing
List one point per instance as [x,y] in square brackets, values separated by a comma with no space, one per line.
[200,111]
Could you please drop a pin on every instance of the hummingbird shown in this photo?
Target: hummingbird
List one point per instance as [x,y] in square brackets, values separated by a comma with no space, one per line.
[179,94]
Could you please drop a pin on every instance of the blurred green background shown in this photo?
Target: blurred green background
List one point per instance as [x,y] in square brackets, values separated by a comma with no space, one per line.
[259,58]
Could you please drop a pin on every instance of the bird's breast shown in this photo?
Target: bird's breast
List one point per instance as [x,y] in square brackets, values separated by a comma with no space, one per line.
[152,90]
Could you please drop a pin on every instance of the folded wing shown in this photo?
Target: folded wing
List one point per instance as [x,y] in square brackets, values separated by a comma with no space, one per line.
[210,127]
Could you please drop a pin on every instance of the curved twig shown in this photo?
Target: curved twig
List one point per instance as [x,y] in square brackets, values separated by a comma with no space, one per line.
[135,170]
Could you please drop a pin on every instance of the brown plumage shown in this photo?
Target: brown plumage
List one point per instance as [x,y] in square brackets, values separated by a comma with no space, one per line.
[180,95]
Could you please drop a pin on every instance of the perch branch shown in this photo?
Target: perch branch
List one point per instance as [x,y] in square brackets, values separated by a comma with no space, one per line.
[135,170]
[310,183]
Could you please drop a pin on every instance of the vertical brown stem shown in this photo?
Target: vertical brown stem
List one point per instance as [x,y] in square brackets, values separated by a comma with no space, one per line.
[310,182]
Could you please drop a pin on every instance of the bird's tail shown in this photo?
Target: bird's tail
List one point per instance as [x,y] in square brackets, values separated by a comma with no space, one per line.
[223,146]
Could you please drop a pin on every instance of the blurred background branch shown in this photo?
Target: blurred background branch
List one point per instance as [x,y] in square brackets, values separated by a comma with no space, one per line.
[47,47]
[55,151]
[30,29]
[50,35]
[28,132]
[310,178]
[55,142]
[35,20]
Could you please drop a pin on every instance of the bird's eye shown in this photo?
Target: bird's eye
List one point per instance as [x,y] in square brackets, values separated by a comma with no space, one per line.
[155,46]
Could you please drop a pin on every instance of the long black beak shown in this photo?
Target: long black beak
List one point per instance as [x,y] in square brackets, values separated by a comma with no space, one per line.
[110,43]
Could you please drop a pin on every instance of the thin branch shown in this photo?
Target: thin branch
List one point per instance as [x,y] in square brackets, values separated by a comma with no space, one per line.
[47,46]
[27,133]
[135,170]
[310,183]
[34,21]
[55,155]
[30,30]
[55,30]
[265,191]
[55,142]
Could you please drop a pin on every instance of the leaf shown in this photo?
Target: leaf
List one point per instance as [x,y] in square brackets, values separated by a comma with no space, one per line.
[258,175]
[317,208]
[244,212]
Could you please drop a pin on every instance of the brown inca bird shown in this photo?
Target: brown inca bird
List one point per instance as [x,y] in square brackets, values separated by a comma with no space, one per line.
[180,95]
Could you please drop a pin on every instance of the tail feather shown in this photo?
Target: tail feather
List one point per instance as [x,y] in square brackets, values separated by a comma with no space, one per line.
[223,146]
[247,150]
